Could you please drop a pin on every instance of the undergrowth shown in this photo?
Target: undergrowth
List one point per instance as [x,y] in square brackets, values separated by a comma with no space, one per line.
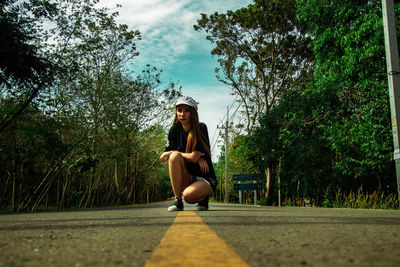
[355,200]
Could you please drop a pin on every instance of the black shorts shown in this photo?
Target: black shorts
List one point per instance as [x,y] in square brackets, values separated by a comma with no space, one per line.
[210,182]
[195,172]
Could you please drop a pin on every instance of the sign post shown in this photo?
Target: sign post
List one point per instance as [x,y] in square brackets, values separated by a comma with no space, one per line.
[247,177]
[255,194]
[240,194]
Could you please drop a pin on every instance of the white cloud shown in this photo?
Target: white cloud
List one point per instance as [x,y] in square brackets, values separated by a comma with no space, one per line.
[167,25]
[144,14]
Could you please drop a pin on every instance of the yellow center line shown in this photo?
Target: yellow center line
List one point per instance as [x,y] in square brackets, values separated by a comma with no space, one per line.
[191,242]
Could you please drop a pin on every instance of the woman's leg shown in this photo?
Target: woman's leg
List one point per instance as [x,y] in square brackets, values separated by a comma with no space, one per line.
[178,174]
[197,191]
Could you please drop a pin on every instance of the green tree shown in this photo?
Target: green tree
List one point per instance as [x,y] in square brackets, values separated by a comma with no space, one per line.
[263,52]
[136,111]
[93,49]
[288,139]
[25,70]
[350,82]
[336,133]
[29,151]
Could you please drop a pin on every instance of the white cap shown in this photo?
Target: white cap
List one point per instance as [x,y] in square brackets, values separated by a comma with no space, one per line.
[186,100]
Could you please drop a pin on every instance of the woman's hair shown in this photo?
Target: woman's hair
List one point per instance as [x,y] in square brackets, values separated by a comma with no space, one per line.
[194,135]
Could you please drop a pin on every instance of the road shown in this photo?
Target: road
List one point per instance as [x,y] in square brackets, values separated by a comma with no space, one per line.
[261,236]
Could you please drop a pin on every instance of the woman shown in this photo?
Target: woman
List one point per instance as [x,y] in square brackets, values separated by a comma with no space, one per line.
[189,158]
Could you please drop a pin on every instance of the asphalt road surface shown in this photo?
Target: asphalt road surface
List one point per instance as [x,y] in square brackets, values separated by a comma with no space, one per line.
[261,236]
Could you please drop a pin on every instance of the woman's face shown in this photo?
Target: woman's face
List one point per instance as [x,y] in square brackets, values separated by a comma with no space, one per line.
[183,114]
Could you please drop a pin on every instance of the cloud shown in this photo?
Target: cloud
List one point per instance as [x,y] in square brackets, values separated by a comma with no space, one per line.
[167,25]
[144,14]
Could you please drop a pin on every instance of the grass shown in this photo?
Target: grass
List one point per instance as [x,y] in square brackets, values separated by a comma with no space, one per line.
[355,200]
[361,200]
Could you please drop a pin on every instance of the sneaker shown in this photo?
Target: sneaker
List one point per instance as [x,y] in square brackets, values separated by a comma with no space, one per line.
[202,205]
[176,206]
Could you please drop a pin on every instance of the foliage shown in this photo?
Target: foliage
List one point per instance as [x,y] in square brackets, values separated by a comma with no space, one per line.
[350,55]
[238,152]
[288,133]
[331,131]
[263,53]
[24,69]
[21,58]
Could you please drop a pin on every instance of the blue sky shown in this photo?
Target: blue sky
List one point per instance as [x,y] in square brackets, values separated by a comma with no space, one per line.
[170,43]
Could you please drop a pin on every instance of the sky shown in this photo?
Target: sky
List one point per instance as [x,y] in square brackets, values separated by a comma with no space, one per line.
[170,43]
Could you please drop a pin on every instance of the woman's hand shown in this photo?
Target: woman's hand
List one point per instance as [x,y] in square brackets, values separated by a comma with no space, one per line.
[165,156]
[203,165]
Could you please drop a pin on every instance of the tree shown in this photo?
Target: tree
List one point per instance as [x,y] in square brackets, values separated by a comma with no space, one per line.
[136,111]
[349,51]
[335,134]
[118,106]
[99,127]
[263,52]
[288,139]
[24,69]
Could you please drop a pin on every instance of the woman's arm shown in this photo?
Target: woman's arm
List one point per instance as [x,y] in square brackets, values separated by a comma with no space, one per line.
[195,157]
[165,155]
[192,157]
[203,165]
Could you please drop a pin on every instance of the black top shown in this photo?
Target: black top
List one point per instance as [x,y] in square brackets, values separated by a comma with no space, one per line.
[177,140]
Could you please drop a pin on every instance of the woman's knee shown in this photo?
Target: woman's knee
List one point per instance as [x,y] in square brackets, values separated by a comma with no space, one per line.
[190,196]
[175,157]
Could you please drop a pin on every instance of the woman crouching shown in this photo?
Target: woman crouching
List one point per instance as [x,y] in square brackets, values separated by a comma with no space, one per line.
[189,158]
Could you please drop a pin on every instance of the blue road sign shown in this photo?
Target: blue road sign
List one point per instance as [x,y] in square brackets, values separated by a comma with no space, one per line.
[246,177]
[247,186]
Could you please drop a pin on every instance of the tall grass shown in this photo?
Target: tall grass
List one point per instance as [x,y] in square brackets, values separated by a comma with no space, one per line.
[361,200]
[355,200]
[298,202]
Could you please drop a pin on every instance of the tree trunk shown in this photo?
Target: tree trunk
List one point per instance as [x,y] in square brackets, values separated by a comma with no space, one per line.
[13,204]
[279,180]
[268,182]
[116,180]
[64,188]
[58,192]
